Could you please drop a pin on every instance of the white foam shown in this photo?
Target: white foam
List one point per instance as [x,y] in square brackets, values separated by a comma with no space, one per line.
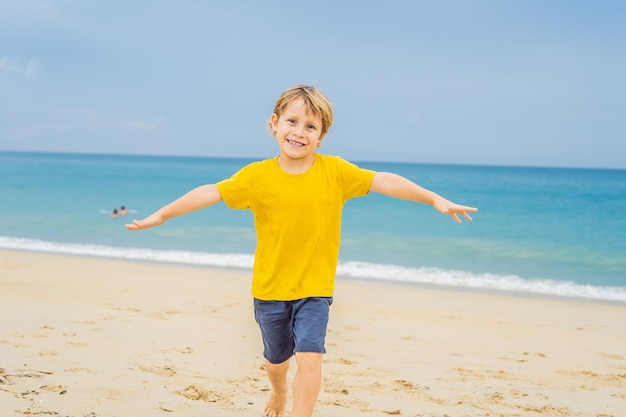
[464,279]
[359,270]
[182,257]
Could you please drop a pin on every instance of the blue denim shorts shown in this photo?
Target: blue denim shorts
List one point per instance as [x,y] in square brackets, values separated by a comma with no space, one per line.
[292,326]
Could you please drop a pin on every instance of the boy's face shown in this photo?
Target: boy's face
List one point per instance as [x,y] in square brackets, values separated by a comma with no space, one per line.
[298,131]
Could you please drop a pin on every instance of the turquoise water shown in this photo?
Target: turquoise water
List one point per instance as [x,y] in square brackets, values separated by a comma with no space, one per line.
[550,231]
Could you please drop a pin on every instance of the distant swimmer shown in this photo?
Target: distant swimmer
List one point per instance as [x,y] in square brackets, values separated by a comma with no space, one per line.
[122,211]
[114,214]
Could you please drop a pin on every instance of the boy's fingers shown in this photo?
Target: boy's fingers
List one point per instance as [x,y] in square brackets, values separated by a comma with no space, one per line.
[134,225]
[455,217]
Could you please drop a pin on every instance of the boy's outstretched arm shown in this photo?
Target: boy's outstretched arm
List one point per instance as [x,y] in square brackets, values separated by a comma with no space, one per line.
[397,186]
[196,199]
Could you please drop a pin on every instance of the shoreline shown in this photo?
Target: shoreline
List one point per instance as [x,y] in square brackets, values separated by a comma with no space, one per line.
[346,277]
[87,336]
[475,290]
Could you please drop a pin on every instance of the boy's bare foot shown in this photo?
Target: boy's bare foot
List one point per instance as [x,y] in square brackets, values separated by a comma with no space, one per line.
[275,406]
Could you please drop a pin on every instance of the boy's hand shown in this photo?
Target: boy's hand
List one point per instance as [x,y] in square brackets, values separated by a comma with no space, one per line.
[453,210]
[150,221]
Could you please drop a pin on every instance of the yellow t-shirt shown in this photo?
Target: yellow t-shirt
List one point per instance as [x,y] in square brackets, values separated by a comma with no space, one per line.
[298,222]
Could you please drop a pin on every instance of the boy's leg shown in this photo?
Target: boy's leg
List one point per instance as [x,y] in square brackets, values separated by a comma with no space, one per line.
[275,321]
[297,326]
[306,383]
[277,374]
[310,324]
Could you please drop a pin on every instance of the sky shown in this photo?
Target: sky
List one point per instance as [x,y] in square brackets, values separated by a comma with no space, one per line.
[506,82]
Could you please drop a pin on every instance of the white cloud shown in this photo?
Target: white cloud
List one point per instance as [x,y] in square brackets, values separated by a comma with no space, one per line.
[26,69]
[85,120]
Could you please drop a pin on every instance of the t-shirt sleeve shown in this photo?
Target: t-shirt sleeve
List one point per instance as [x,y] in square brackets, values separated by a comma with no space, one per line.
[356,181]
[237,190]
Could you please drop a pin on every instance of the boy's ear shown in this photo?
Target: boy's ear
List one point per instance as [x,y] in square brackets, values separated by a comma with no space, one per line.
[274,121]
[319,142]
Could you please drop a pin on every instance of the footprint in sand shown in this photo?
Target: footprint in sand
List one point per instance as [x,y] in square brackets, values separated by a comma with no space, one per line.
[611,356]
[197,393]
[159,370]
[45,353]
[54,388]
[4,379]
[345,361]
[404,385]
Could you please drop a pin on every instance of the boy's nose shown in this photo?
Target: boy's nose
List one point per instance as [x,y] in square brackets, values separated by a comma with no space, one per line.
[299,131]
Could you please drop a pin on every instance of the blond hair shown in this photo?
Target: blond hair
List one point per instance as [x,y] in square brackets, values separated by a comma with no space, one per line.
[314,100]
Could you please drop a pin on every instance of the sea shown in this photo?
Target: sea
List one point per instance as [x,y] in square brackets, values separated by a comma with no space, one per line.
[549,232]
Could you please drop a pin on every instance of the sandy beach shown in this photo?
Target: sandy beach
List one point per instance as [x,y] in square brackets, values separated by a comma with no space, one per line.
[85,337]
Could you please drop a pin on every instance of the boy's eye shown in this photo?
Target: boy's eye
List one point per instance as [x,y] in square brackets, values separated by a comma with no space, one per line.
[291,121]
[312,127]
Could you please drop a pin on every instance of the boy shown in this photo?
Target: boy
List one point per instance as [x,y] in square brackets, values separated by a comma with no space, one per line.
[297,199]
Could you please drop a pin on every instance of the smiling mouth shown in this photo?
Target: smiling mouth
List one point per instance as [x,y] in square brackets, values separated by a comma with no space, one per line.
[294,143]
